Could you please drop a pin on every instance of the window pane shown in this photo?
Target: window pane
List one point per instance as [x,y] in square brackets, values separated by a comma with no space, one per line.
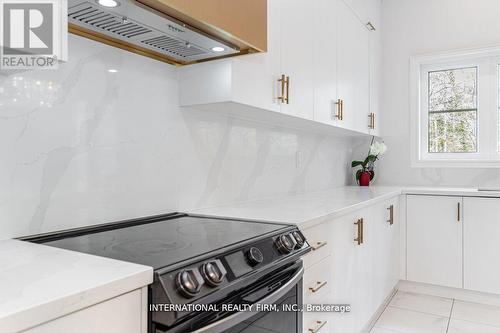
[453,132]
[453,111]
[453,89]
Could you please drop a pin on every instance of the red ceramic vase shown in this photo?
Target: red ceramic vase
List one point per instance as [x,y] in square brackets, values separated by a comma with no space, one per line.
[364,179]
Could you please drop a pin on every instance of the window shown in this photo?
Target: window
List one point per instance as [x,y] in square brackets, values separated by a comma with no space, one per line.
[452,107]
[456,109]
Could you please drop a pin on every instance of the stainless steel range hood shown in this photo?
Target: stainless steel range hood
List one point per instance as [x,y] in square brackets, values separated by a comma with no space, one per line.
[137,27]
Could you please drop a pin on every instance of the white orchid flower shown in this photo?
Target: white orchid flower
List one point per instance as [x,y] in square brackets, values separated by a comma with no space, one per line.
[378,148]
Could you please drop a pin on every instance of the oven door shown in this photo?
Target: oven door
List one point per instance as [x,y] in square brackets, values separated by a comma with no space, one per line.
[281,290]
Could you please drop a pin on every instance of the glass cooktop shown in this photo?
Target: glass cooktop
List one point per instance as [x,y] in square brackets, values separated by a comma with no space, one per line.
[166,242]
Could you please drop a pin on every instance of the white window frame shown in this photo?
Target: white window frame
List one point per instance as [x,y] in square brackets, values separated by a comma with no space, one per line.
[486,60]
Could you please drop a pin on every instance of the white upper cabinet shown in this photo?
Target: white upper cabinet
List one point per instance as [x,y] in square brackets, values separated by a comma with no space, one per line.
[247,80]
[434,240]
[254,77]
[325,62]
[321,49]
[375,81]
[375,12]
[353,68]
[296,54]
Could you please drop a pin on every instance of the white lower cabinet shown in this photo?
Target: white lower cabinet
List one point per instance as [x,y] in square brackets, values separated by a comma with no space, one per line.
[452,241]
[385,250]
[481,245]
[434,240]
[360,273]
[123,314]
[351,271]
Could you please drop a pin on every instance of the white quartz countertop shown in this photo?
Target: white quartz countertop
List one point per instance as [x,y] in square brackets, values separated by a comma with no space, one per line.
[309,209]
[306,209]
[39,283]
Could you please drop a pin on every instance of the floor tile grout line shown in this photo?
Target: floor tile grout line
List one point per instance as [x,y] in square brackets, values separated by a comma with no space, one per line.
[385,308]
[451,311]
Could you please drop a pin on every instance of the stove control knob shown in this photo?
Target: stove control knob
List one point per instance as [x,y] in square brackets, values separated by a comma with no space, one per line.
[213,272]
[254,256]
[189,282]
[285,243]
[299,239]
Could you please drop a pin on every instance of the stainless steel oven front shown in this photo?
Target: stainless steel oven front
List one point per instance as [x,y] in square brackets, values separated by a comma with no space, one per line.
[273,302]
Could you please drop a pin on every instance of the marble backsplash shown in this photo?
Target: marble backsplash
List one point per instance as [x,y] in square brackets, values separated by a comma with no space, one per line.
[103,139]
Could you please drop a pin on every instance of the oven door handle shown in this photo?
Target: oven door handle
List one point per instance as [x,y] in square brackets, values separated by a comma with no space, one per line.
[238,317]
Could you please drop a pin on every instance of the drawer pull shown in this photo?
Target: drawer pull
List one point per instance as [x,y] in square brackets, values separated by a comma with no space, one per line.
[319,285]
[318,245]
[320,324]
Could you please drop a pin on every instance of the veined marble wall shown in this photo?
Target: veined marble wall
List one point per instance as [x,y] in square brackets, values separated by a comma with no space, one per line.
[83,145]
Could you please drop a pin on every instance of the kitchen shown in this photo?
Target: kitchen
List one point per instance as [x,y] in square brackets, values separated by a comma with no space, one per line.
[117,133]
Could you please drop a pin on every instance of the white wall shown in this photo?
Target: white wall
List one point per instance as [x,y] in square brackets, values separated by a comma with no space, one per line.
[81,145]
[422,26]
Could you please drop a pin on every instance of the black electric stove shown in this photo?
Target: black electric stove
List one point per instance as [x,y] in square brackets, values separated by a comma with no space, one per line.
[203,260]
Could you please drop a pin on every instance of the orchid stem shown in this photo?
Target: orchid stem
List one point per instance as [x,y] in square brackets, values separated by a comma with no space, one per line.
[369,148]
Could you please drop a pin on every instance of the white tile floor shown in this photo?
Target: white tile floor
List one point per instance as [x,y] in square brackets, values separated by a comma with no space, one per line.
[416,313]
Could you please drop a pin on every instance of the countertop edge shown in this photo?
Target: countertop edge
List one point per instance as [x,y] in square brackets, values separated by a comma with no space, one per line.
[53,309]
[465,192]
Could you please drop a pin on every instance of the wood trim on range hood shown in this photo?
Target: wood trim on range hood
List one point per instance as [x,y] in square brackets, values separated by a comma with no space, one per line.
[241,23]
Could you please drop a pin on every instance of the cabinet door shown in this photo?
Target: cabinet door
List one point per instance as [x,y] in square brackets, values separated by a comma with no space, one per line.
[375,79]
[352,283]
[325,61]
[353,68]
[481,245]
[255,77]
[386,249]
[296,56]
[434,240]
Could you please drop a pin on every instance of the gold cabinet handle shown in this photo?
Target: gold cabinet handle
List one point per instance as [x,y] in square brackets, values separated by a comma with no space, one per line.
[282,81]
[318,286]
[338,104]
[318,245]
[362,230]
[391,214]
[287,82]
[285,89]
[359,224]
[371,124]
[341,109]
[320,324]
[458,212]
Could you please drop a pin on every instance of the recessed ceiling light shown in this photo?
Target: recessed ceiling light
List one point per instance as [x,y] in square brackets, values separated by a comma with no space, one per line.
[218,49]
[112,70]
[108,3]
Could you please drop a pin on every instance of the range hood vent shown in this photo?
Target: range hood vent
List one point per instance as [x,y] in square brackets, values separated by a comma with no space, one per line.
[138,26]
